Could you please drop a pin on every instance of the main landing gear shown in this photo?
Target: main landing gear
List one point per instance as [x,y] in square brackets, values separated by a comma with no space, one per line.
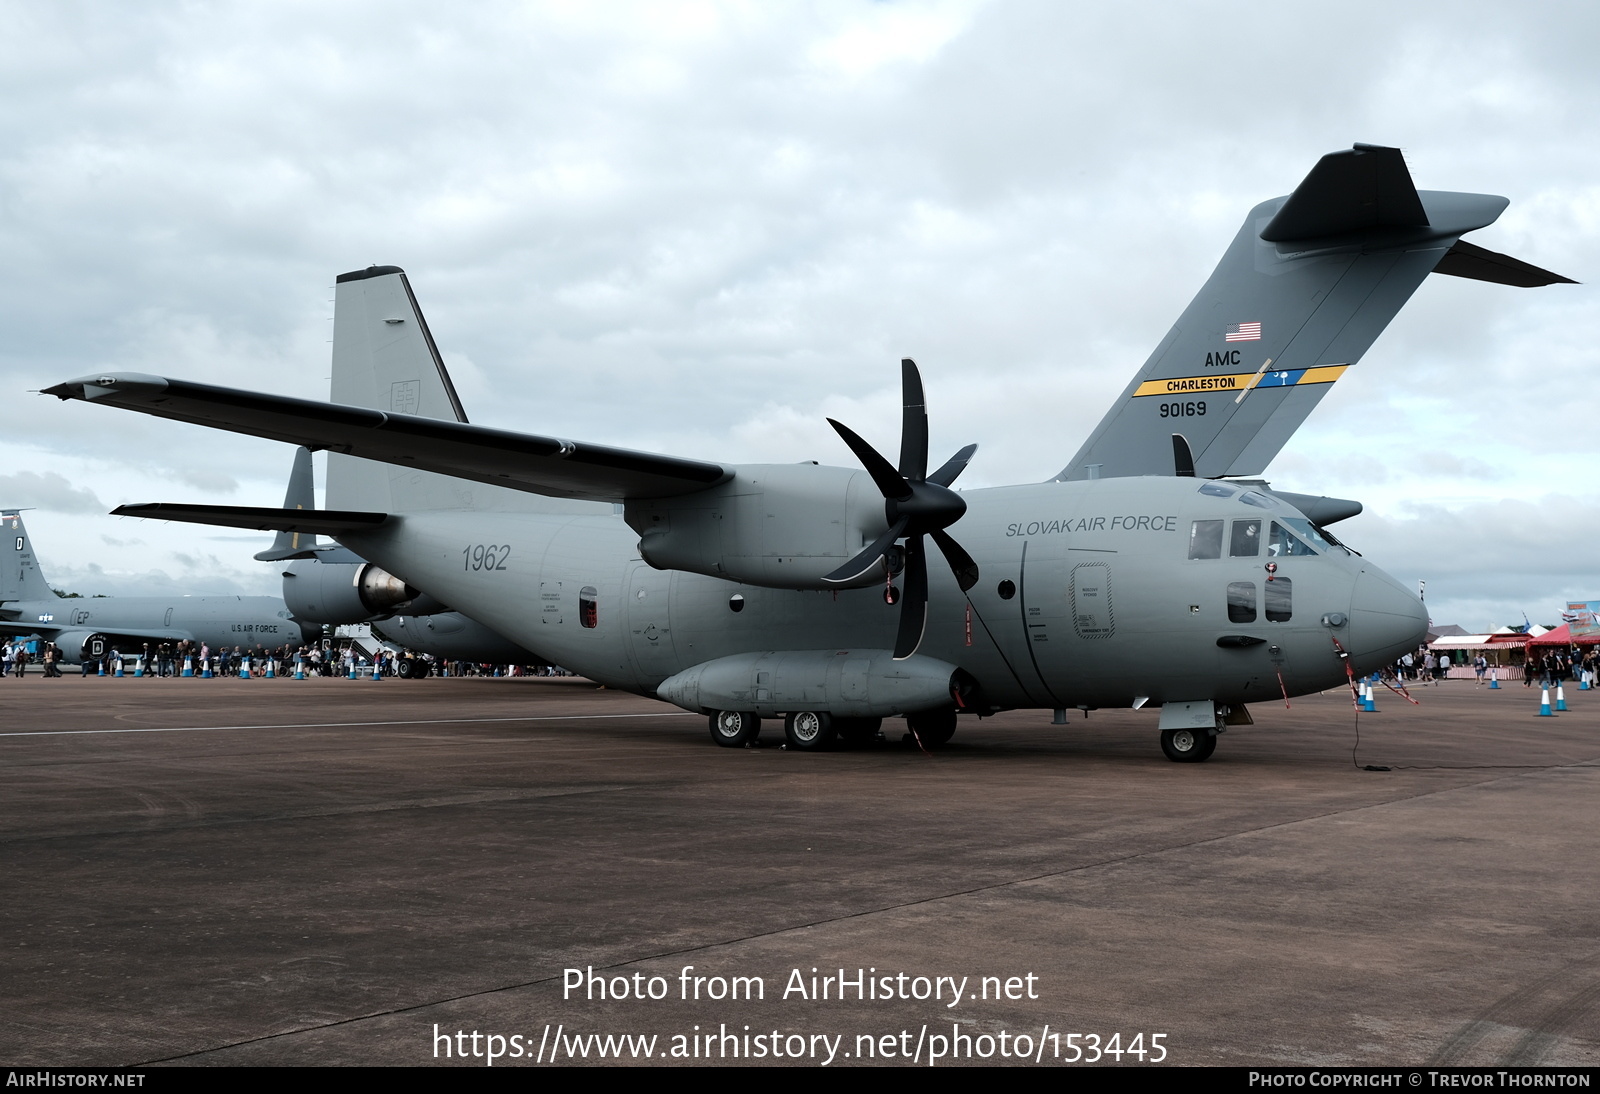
[734,728]
[1187,746]
[815,730]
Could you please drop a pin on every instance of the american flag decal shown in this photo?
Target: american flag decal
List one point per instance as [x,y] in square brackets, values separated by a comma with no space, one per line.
[1242,332]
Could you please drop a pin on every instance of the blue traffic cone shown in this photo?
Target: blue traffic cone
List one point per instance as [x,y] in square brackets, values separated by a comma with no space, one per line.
[272,668]
[205,668]
[102,671]
[1544,704]
[1561,698]
[377,669]
[119,667]
[244,668]
[1583,685]
[188,665]
[138,666]
[1494,680]
[299,667]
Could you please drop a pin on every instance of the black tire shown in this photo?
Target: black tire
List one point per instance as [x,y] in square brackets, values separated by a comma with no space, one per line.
[809,730]
[857,731]
[1188,746]
[734,728]
[932,728]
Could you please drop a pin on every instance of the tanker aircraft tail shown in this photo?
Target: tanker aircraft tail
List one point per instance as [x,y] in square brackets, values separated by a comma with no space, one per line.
[20,577]
[1308,284]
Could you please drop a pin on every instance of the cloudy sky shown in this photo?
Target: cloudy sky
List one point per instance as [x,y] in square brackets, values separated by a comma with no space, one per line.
[702,228]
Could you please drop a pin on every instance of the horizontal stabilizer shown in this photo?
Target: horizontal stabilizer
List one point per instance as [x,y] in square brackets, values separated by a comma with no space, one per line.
[521,461]
[319,522]
[1321,511]
[1354,190]
[1481,264]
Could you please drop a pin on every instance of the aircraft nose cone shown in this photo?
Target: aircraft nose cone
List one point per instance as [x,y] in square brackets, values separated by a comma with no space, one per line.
[1385,621]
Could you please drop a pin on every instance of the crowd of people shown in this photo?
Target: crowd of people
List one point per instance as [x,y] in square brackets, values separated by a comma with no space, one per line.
[1546,666]
[185,658]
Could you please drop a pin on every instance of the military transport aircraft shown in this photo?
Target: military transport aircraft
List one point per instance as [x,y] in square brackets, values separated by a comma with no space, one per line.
[90,628]
[1137,577]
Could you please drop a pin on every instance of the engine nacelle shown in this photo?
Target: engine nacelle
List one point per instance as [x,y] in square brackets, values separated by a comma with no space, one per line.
[845,683]
[783,526]
[78,645]
[348,592]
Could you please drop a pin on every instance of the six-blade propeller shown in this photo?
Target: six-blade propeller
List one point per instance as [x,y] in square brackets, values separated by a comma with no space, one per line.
[916,504]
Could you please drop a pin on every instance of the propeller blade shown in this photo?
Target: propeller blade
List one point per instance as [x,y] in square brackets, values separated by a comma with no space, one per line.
[914,602]
[961,563]
[953,467]
[870,556]
[913,423]
[890,482]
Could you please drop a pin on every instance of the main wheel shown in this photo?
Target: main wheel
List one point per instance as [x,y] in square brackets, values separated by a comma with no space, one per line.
[932,728]
[1187,746]
[857,731]
[809,730]
[734,728]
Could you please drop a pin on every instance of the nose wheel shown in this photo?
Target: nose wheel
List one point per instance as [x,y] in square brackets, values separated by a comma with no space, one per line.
[1187,746]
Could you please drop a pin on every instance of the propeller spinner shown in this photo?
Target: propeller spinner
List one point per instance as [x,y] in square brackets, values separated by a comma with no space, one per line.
[916,504]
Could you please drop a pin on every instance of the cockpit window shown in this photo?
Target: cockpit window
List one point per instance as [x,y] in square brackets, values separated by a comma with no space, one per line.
[1284,543]
[1245,542]
[1313,535]
[1260,501]
[1205,539]
[1217,490]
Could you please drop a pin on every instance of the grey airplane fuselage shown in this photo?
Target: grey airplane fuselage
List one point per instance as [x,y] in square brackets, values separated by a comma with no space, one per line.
[128,621]
[1088,597]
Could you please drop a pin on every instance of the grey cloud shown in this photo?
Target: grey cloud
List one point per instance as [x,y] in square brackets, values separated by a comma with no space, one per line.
[645,231]
[30,489]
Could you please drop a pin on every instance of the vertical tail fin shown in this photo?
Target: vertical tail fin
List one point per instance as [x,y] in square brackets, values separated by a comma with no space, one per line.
[20,578]
[301,494]
[385,358]
[1307,286]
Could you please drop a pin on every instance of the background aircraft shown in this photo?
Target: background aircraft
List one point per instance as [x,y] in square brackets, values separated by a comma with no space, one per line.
[90,627]
[748,591]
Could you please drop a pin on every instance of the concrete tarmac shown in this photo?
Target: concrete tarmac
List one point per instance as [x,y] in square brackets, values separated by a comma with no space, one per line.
[335,872]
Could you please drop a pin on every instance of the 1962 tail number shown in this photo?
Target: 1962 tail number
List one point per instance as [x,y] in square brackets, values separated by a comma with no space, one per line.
[485,557]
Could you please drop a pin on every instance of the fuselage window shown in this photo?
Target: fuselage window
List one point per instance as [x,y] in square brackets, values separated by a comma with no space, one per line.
[589,606]
[1246,539]
[1241,602]
[1279,598]
[1217,490]
[1260,501]
[1205,539]
[1285,542]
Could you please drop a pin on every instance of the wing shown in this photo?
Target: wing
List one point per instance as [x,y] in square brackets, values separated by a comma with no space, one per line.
[521,461]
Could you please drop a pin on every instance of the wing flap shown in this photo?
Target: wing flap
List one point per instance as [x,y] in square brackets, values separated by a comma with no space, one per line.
[538,465]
